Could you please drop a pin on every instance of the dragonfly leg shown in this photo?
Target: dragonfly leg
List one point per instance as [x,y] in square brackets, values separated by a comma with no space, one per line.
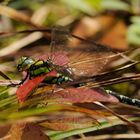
[23,79]
[13,85]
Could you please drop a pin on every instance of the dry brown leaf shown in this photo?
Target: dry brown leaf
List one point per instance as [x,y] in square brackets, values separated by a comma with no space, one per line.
[90,26]
[67,120]
[14,14]
[116,37]
[4,130]
[26,131]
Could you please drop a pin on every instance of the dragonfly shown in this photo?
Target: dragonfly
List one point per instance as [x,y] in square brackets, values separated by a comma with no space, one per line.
[66,64]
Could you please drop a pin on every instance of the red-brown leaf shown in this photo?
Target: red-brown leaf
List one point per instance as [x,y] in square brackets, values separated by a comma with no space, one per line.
[81,95]
[24,90]
[26,131]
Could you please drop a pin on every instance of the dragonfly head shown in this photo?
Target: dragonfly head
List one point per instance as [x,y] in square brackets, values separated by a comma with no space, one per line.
[24,63]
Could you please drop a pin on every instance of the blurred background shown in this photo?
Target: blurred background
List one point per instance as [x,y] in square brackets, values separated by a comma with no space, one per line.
[114,23]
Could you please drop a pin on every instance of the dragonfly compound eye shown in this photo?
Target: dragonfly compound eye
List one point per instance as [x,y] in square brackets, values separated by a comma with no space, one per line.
[24,63]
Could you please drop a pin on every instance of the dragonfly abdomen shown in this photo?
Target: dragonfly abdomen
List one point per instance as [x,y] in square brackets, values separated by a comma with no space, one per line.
[125,99]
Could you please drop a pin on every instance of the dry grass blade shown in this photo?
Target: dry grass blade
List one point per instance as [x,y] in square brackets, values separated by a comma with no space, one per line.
[12,13]
[4,75]
[133,54]
[69,120]
[20,43]
[115,81]
[9,82]
[112,136]
[135,127]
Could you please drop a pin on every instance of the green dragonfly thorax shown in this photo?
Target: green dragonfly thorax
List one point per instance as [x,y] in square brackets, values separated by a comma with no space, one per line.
[36,68]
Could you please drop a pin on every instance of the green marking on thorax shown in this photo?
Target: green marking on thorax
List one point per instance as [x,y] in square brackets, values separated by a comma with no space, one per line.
[41,70]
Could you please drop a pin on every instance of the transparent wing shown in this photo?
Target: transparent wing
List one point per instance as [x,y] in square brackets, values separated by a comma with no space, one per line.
[89,60]
[59,39]
[83,60]
[57,51]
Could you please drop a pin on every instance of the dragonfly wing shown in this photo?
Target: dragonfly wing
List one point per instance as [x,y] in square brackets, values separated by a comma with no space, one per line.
[58,58]
[58,47]
[24,90]
[59,39]
[87,63]
[84,59]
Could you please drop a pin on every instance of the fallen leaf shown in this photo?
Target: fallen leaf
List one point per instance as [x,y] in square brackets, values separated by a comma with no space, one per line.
[81,95]
[116,37]
[25,90]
